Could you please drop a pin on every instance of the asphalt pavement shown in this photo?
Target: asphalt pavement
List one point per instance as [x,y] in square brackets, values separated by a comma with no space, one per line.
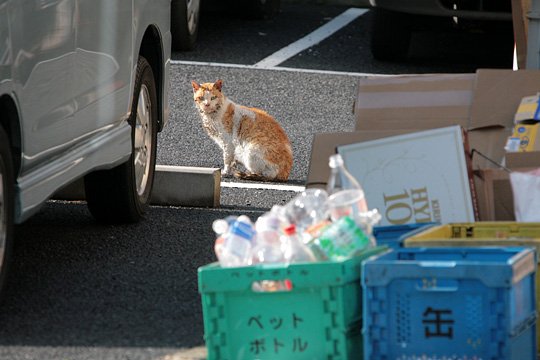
[79,290]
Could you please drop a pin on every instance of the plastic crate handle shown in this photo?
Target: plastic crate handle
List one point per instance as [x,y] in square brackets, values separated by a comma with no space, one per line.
[271,285]
[437,285]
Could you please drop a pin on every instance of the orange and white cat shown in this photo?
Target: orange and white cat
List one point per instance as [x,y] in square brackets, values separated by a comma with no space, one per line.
[247,136]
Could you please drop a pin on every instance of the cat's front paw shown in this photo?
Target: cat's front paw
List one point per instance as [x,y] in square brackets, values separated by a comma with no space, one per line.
[227,171]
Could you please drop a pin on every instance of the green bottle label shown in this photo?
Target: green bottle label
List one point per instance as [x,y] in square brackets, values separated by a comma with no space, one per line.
[343,239]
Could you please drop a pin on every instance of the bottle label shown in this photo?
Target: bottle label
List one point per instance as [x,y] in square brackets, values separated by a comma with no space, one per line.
[342,239]
[244,230]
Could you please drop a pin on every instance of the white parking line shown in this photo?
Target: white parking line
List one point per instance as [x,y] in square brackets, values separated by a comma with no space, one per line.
[237,185]
[311,39]
[271,62]
[205,63]
[251,67]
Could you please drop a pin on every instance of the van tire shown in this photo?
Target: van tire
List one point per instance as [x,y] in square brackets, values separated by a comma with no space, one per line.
[7,207]
[122,194]
[391,35]
[260,9]
[185,24]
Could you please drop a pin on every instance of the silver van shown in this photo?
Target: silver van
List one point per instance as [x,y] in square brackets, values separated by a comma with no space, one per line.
[83,92]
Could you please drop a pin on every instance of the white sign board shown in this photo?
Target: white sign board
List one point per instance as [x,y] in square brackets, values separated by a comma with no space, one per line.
[416,177]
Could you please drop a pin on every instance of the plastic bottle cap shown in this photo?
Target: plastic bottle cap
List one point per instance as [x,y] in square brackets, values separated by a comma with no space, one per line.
[244,219]
[335,160]
[290,230]
[220,226]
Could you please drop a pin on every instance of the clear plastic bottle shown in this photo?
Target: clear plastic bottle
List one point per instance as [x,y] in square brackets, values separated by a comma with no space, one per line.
[294,249]
[236,249]
[267,247]
[307,208]
[346,195]
[280,212]
[221,227]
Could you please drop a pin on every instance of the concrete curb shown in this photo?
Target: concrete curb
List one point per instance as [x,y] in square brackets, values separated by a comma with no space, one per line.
[173,186]
[195,353]
[187,186]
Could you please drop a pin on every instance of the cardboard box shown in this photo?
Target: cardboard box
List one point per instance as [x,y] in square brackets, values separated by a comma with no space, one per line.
[495,190]
[414,101]
[487,146]
[483,103]
[497,95]
[523,160]
[485,99]
[487,153]
[418,177]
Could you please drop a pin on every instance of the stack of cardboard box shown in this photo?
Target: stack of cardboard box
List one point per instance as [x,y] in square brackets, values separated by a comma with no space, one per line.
[483,103]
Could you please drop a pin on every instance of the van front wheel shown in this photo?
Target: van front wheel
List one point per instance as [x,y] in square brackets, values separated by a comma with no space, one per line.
[391,35]
[6,206]
[122,194]
[184,23]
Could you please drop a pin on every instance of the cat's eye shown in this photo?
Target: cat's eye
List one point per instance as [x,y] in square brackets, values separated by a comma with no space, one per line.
[213,98]
[201,98]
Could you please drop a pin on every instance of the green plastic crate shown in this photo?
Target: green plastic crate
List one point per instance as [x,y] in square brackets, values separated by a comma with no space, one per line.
[318,317]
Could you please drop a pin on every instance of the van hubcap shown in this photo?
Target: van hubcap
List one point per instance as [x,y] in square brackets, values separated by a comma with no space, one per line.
[143,140]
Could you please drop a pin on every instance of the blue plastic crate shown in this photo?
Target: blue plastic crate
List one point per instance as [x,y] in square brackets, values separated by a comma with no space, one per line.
[394,235]
[450,303]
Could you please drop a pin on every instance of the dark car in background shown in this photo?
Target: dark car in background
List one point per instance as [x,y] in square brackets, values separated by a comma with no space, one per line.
[396,20]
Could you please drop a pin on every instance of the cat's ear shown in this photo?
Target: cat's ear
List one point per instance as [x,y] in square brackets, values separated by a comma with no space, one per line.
[218,84]
[195,85]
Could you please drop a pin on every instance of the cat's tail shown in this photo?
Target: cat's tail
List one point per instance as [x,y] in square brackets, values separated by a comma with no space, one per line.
[254,177]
